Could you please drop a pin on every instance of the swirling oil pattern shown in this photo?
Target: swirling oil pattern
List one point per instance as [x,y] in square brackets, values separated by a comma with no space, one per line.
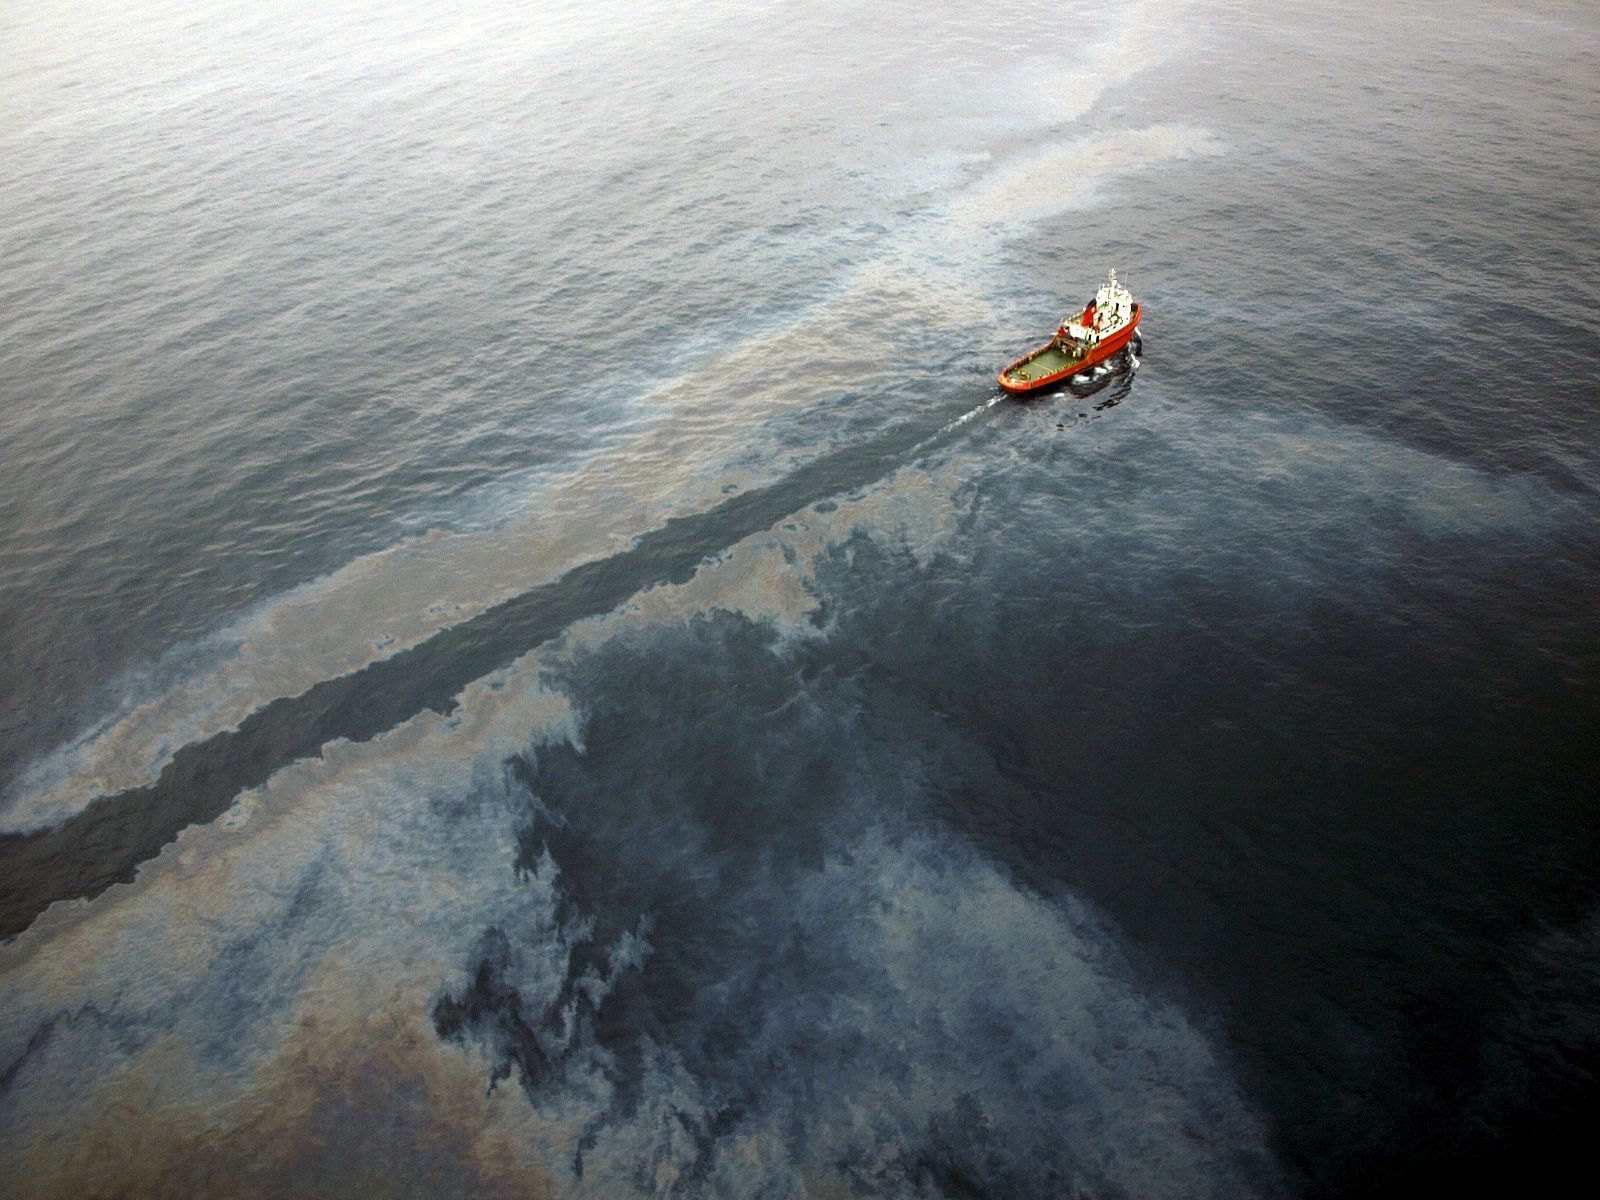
[536,660]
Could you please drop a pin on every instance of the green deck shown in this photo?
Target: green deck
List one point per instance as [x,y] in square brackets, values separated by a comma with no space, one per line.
[1050,360]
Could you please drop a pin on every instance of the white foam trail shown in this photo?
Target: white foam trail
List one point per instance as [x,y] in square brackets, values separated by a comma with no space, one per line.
[966,417]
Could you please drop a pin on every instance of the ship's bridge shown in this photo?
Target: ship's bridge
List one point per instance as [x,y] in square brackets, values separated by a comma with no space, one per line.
[1113,308]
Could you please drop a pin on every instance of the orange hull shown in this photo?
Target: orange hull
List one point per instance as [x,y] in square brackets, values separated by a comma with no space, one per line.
[1101,351]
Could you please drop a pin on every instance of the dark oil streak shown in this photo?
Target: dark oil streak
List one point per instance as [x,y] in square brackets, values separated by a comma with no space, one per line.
[105,842]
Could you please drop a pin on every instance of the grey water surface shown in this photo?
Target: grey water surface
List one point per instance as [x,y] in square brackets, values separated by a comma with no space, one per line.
[535,659]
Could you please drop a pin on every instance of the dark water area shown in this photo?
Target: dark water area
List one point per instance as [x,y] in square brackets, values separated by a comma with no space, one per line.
[537,661]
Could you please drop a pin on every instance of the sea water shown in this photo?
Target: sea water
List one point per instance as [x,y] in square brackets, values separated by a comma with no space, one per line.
[536,661]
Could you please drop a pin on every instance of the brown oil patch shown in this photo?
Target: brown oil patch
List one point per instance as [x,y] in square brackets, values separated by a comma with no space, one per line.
[369,1105]
[682,462]
[1065,176]
[341,1089]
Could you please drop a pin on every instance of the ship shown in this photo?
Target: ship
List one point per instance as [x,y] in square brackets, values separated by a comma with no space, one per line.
[1099,330]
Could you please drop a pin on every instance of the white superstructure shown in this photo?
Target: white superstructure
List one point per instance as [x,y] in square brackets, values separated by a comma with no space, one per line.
[1112,309]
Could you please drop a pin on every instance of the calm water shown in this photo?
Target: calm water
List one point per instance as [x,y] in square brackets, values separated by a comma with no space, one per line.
[534,659]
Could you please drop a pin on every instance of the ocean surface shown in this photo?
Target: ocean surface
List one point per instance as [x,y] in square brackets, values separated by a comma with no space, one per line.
[535,659]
